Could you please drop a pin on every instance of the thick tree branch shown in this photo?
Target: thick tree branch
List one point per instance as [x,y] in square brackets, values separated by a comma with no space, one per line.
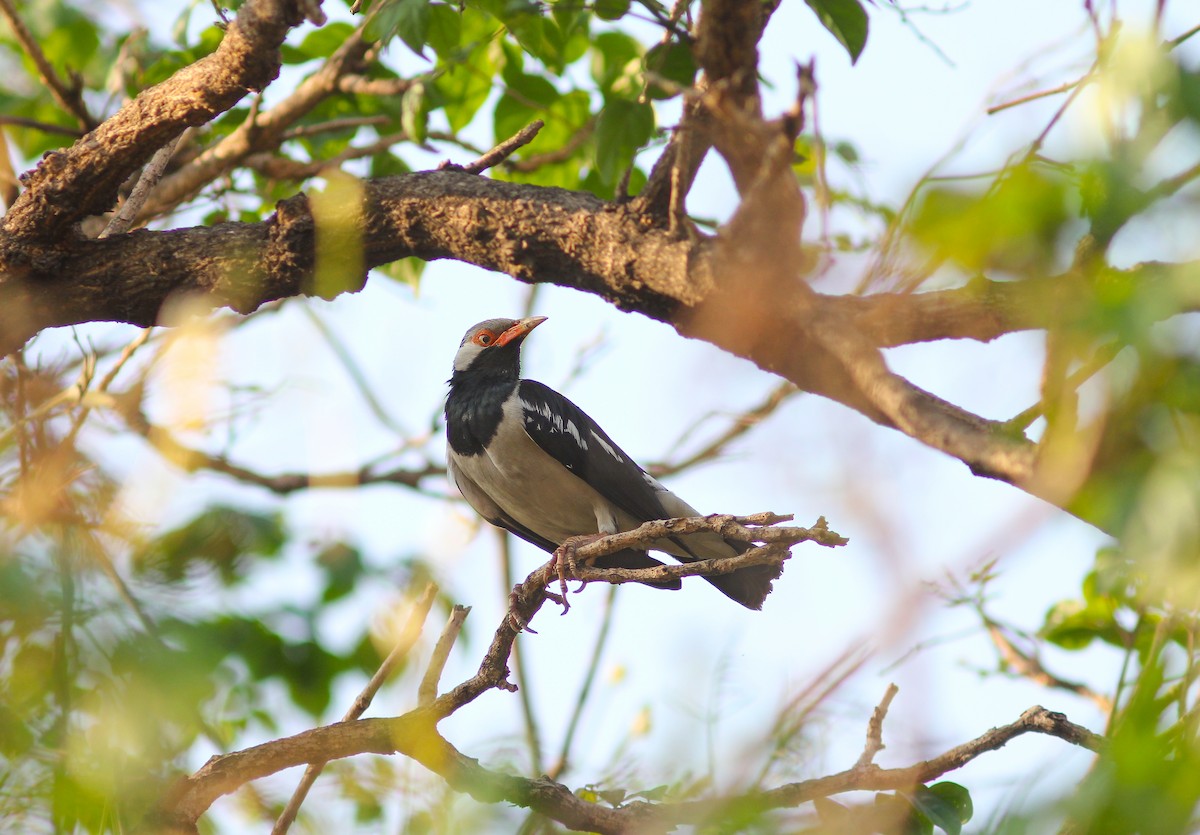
[825,345]
[83,180]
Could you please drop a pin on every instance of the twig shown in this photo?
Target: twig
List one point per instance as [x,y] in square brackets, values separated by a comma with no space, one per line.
[151,174]
[284,168]
[875,728]
[501,152]
[262,131]
[757,527]
[738,426]
[1028,665]
[1179,39]
[334,125]
[353,371]
[408,636]
[363,86]
[1036,719]
[67,98]
[427,691]
[44,127]
[536,161]
[795,715]
[1104,355]
[1041,94]
[192,460]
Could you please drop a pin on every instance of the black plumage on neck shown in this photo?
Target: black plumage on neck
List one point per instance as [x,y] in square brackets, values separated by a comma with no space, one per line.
[475,404]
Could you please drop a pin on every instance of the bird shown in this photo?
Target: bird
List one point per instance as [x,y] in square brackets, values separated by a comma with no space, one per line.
[530,461]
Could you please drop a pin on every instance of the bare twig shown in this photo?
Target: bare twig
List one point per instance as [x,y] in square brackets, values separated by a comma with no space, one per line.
[191,459]
[415,735]
[1028,665]
[1040,94]
[151,174]
[261,131]
[44,127]
[535,161]
[285,168]
[335,125]
[739,425]
[875,728]
[1036,719]
[501,152]
[353,370]
[427,691]
[363,86]
[405,640]
[1179,39]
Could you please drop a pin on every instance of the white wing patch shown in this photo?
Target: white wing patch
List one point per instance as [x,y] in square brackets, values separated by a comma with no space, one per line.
[566,427]
[607,447]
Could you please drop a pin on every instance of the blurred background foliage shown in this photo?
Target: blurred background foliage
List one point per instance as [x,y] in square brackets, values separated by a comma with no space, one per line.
[123,644]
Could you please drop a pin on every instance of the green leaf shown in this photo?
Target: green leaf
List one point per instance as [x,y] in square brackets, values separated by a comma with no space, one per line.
[342,566]
[530,90]
[414,113]
[672,61]
[957,796]
[406,271]
[611,9]
[1015,226]
[937,810]
[616,63]
[846,19]
[464,86]
[321,43]
[413,24]
[221,536]
[410,19]
[624,127]
[445,29]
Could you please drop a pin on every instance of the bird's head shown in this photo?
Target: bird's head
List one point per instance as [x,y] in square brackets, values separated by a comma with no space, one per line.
[494,344]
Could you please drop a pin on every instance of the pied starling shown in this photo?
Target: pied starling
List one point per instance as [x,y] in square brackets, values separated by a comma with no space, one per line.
[531,461]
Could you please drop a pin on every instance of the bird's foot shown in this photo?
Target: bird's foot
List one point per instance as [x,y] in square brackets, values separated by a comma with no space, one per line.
[565,560]
[516,621]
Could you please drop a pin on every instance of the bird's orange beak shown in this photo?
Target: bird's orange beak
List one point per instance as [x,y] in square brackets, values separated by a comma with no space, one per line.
[519,330]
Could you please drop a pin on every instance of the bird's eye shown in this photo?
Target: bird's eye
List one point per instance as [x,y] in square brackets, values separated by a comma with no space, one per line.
[484,338]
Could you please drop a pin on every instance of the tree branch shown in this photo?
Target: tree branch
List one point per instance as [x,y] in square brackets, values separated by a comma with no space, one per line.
[82,180]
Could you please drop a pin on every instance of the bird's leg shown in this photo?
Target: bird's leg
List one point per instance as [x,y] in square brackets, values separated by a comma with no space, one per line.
[564,558]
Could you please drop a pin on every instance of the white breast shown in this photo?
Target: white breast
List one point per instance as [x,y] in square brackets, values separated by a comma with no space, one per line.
[534,488]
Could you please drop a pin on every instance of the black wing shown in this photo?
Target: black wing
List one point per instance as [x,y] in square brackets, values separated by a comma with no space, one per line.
[566,433]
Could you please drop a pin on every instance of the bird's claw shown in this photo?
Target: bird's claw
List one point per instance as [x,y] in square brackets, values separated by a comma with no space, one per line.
[516,622]
[565,560]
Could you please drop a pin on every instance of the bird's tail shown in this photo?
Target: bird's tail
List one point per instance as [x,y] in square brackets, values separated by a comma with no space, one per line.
[748,586]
